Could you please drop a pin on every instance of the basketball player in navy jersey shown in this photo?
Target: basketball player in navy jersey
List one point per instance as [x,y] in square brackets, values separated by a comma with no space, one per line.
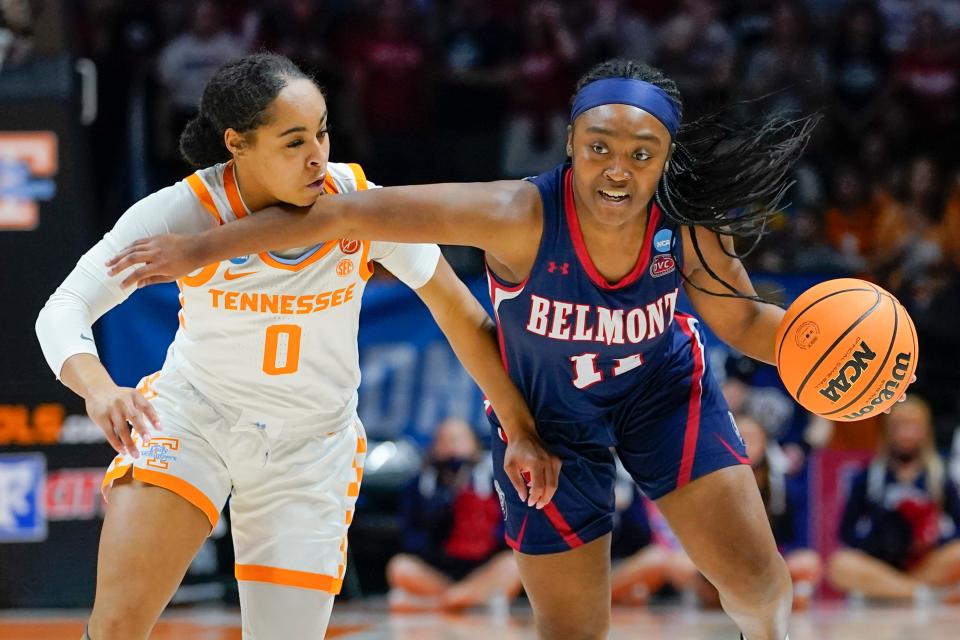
[585,265]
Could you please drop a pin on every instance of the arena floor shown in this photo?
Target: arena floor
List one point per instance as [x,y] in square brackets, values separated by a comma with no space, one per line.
[371,621]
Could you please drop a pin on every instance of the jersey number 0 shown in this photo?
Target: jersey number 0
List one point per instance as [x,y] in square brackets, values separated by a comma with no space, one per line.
[281,349]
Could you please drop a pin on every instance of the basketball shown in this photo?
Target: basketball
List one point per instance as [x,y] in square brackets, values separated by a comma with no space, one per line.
[846,349]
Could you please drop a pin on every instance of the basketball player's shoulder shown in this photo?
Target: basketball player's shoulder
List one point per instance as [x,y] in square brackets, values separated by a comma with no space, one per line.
[177,197]
[347,176]
[216,191]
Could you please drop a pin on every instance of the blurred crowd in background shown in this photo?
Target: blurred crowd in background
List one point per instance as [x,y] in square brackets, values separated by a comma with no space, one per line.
[440,90]
[436,90]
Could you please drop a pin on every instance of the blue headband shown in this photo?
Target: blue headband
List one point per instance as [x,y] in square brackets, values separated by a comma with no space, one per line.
[635,93]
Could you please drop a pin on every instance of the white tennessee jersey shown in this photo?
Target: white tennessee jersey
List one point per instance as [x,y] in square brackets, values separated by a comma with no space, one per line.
[260,332]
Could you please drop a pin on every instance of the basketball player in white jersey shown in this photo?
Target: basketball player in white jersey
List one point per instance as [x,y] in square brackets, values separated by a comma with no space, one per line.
[257,396]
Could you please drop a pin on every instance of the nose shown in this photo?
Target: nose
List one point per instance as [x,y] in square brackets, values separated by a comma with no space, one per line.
[318,155]
[617,171]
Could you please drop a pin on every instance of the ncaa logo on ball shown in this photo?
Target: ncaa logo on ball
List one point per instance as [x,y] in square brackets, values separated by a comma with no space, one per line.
[349,246]
[849,372]
[662,241]
[662,265]
[806,335]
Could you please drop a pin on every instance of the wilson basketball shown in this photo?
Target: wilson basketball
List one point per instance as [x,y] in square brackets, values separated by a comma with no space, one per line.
[846,349]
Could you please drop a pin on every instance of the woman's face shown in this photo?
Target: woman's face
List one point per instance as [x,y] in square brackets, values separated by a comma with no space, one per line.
[288,155]
[619,153]
[907,429]
[454,440]
[923,175]
[754,437]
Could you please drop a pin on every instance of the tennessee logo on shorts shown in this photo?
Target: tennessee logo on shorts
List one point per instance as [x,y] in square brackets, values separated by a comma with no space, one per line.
[158,452]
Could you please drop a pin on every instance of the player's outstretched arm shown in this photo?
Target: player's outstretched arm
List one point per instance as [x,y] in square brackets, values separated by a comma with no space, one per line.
[502,218]
[472,335]
[750,326]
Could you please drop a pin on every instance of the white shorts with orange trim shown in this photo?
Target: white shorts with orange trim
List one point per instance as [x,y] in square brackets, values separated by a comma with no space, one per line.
[292,490]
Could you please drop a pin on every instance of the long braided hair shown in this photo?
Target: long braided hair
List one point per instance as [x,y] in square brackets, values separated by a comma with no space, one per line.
[725,175]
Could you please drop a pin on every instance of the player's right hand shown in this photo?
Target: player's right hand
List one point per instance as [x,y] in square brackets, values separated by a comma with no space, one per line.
[163,258]
[119,411]
[533,471]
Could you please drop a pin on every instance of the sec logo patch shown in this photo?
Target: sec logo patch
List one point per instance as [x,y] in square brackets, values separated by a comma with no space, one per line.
[344,267]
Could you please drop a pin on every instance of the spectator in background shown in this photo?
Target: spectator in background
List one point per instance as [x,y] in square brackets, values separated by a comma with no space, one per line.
[860,72]
[951,222]
[656,558]
[788,65]
[750,24]
[901,523]
[933,300]
[646,555]
[472,96]
[452,526]
[392,86]
[874,162]
[899,16]
[771,468]
[474,49]
[17,26]
[804,248]
[183,68]
[639,567]
[301,30]
[850,221]
[616,30]
[540,82]
[928,78]
[698,52]
[907,233]
[755,390]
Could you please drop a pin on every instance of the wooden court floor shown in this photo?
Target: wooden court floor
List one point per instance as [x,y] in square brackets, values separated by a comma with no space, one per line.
[371,621]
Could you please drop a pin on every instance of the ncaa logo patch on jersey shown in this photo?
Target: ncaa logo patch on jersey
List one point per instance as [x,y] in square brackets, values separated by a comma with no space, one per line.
[662,265]
[239,259]
[663,240]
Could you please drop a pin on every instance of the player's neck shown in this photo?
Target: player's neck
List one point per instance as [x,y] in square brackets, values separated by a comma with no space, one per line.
[613,248]
[254,195]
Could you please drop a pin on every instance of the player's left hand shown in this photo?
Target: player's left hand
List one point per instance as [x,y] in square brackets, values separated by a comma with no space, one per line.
[904,396]
[532,469]
[164,258]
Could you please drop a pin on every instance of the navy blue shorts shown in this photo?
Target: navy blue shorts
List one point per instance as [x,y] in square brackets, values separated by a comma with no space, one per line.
[664,439]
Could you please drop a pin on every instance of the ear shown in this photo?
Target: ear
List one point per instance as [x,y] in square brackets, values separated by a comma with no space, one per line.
[569,140]
[673,147]
[235,142]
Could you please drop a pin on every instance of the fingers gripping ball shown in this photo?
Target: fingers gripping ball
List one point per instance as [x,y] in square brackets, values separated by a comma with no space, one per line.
[846,349]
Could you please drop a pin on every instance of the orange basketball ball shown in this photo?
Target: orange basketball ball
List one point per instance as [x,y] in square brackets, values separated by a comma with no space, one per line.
[846,349]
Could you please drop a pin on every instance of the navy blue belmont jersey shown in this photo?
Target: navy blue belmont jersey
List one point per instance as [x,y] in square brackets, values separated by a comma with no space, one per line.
[577,345]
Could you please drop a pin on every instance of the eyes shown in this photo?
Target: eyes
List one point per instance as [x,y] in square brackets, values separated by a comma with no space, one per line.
[640,155]
[293,144]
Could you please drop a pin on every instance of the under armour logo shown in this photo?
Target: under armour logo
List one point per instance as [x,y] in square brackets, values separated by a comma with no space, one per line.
[564,268]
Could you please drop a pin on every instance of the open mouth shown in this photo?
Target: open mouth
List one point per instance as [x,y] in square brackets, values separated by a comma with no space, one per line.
[316,184]
[613,195]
